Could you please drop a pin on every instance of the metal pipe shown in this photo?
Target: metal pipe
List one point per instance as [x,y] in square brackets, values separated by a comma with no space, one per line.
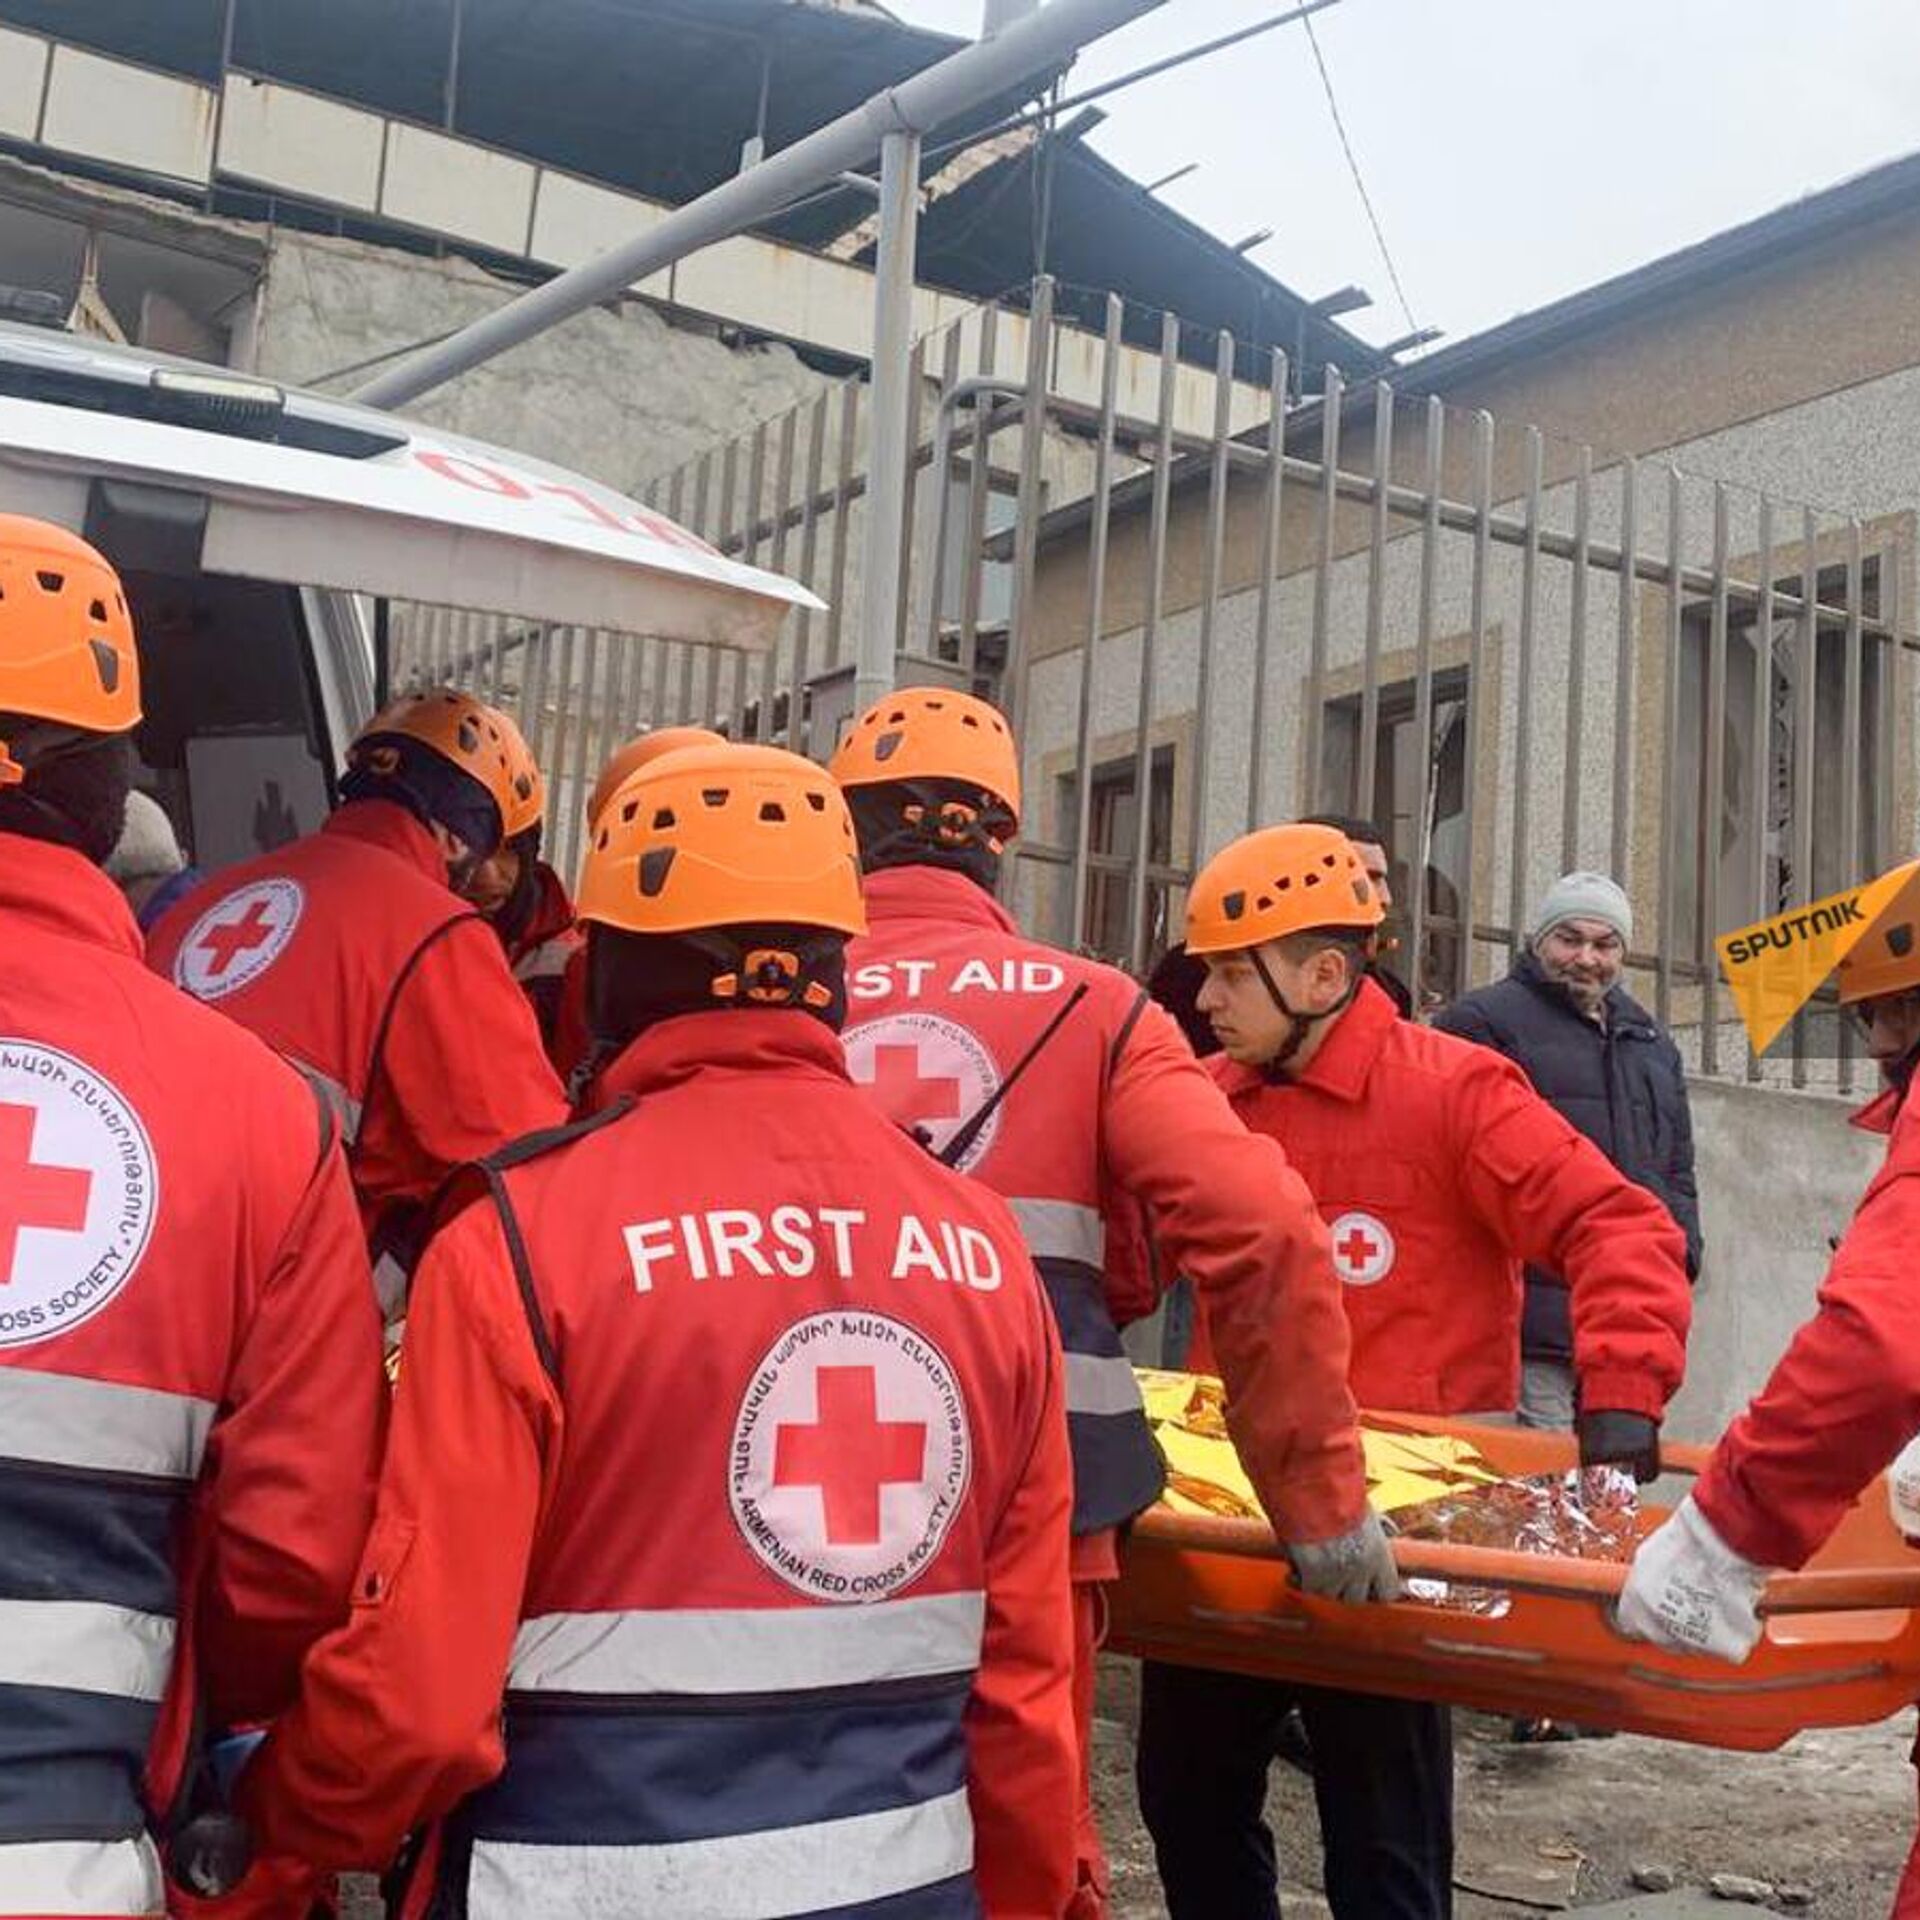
[1076,931]
[1570,773]
[1715,785]
[842,521]
[979,476]
[1224,362]
[1670,748]
[1149,643]
[1476,679]
[888,457]
[1623,674]
[1367,761]
[1851,853]
[1523,721]
[1044,40]
[1028,505]
[797,730]
[1805,683]
[1423,699]
[1269,572]
[933,569]
[1329,477]
[1759,791]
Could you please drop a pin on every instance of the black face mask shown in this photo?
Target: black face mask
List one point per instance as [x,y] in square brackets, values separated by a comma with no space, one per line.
[74,795]
[636,980]
[931,823]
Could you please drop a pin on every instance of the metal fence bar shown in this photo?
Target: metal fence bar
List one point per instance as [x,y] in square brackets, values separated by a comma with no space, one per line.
[842,521]
[1707,918]
[1806,682]
[1275,490]
[1624,676]
[933,569]
[1852,853]
[584,729]
[1031,503]
[1332,393]
[783,488]
[1078,884]
[1149,642]
[1423,695]
[1476,683]
[1759,760]
[749,552]
[1218,484]
[979,473]
[563,702]
[1670,736]
[797,741]
[1570,778]
[1368,760]
[916,414]
[1523,723]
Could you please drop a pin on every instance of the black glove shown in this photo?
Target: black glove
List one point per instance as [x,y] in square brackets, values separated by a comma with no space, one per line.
[1629,1440]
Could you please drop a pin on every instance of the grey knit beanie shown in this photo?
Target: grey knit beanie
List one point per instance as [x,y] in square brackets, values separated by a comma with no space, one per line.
[1586,896]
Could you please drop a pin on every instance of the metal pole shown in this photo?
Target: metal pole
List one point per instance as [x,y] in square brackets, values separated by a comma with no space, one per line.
[888,453]
[1026,48]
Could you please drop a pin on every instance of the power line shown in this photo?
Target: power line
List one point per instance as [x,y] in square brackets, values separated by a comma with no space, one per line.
[1353,166]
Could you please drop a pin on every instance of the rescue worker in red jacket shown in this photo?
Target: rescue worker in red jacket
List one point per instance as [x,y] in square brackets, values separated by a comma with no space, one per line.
[190,1394]
[1845,1397]
[731,1445]
[526,901]
[1058,1083]
[352,955]
[1439,1171]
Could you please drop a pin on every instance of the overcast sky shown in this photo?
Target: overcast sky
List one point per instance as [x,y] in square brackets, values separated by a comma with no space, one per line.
[1516,150]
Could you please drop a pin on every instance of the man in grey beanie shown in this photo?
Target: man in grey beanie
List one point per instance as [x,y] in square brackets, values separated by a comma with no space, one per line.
[1602,1061]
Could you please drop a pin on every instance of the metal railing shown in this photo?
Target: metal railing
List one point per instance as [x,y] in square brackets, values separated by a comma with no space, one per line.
[1519,655]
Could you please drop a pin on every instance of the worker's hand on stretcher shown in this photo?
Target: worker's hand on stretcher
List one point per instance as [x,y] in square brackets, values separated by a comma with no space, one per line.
[1358,1566]
[1690,1591]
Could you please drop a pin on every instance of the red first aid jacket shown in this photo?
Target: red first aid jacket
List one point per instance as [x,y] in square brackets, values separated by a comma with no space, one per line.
[190,1388]
[1845,1398]
[946,1000]
[730,1443]
[349,956]
[1440,1171]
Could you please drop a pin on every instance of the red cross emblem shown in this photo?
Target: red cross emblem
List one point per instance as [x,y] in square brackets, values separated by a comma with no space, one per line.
[237,939]
[32,1195]
[1363,1249]
[904,1095]
[225,942]
[850,1453]
[930,1074]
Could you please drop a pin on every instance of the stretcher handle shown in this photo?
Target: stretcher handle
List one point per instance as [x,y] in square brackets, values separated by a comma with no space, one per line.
[1557,1576]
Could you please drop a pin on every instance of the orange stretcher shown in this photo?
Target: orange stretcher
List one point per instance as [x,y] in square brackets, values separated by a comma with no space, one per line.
[1841,1647]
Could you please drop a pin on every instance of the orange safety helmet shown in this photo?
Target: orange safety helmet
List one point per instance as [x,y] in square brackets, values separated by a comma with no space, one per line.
[1887,958]
[720,836]
[1281,880]
[644,748]
[931,733]
[467,733]
[67,655]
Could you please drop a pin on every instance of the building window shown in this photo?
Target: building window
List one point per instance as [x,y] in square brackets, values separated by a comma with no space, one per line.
[1113,827]
[1725,830]
[1408,787]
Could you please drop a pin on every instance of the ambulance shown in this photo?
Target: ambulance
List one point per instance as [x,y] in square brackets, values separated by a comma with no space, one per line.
[263,534]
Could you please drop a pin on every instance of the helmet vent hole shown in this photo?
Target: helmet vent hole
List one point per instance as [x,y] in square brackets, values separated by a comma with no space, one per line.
[98,611]
[817,801]
[714,796]
[772,810]
[50,582]
[106,663]
[628,811]
[1900,941]
[1284,884]
[887,746]
[1311,880]
[1265,903]
[663,818]
[654,868]
[1234,905]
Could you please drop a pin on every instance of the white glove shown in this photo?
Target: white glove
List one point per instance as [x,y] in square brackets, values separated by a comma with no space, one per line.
[1903,1491]
[1690,1591]
[1357,1566]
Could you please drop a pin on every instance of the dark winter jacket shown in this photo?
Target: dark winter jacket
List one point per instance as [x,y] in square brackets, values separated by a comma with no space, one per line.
[1621,1085]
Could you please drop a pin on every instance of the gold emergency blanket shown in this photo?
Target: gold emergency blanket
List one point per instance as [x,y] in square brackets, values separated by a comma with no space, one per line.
[1187,1414]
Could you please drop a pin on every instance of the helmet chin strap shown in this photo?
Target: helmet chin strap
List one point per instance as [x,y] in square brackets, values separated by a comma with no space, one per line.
[1300,1024]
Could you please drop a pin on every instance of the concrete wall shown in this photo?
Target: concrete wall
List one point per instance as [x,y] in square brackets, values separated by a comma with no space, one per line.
[618,395]
[1778,1176]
